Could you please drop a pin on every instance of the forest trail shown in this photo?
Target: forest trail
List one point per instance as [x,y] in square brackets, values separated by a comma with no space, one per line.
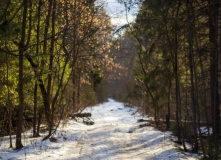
[116,135]
[111,137]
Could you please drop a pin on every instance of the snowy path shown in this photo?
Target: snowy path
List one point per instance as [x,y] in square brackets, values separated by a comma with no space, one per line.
[112,136]
[116,135]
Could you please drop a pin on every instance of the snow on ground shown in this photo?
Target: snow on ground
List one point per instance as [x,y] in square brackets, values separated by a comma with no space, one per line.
[116,135]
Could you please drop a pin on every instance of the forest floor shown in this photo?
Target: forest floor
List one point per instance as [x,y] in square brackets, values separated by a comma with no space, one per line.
[115,135]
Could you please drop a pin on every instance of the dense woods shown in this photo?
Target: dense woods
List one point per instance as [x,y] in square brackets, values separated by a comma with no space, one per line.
[177,69]
[52,59]
[58,57]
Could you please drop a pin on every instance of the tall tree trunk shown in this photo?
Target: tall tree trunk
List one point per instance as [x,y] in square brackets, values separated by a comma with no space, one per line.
[74,56]
[30,23]
[198,115]
[74,97]
[168,106]
[35,109]
[39,123]
[78,87]
[9,105]
[214,57]
[178,100]
[45,98]
[36,132]
[51,63]
[204,87]
[178,129]
[174,59]
[191,66]
[20,84]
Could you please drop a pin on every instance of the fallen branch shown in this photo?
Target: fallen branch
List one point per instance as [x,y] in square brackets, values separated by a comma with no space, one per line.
[73,115]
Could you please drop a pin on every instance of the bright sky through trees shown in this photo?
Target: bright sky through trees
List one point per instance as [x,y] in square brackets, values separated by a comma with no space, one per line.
[117,11]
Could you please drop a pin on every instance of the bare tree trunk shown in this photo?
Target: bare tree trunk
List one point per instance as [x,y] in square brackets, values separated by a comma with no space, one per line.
[35,110]
[30,23]
[168,107]
[191,66]
[51,64]
[36,133]
[74,97]
[214,57]
[39,123]
[196,81]
[78,87]
[74,56]
[9,105]
[174,59]
[178,127]
[27,44]
[20,85]
[204,92]
[45,98]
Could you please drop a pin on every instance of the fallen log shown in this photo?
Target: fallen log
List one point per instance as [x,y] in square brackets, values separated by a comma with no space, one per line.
[73,115]
[143,120]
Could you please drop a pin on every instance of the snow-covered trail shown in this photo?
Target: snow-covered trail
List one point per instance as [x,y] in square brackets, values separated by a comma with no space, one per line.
[112,135]
[116,135]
